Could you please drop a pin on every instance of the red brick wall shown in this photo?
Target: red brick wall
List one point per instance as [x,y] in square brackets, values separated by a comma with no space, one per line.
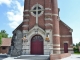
[4,50]
[59,56]
[69,39]
[64,30]
[41,20]
[32,21]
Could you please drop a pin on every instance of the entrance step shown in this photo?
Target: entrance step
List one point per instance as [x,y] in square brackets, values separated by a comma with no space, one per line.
[34,57]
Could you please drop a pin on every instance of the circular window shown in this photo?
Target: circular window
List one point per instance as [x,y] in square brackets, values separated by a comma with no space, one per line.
[37,10]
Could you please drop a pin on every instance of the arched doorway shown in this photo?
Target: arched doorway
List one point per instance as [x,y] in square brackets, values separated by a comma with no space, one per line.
[37,45]
[65,47]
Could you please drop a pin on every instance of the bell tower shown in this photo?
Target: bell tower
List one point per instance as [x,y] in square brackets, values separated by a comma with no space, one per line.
[56,33]
[43,14]
[37,12]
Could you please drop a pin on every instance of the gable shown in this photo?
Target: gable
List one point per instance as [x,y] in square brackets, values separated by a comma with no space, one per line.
[64,28]
[19,27]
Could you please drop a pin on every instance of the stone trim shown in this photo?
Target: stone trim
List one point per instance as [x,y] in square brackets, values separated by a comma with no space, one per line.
[56,48]
[56,44]
[48,14]
[47,8]
[25,25]
[61,48]
[34,7]
[62,35]
[65,41]
[25,20]
[54,14]
[56,35]
[25,31]
[68,48]
[65,35]
[49,24]
[26,15]
[48,44]
[48,19]
[26,10]
[71,45]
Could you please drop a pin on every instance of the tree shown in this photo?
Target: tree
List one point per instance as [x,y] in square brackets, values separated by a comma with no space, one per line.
[0,39]
[73,44]
[3,34]
[79,43]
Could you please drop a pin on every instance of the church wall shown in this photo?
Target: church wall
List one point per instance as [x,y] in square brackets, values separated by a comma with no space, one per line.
[32,21]
[48,46]
[48,22]
[65,37]
[16,45]
[56,35]
[66,40]
[64,30]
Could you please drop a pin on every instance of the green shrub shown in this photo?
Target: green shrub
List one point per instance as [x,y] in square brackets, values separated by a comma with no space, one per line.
[76,50]
[0,40]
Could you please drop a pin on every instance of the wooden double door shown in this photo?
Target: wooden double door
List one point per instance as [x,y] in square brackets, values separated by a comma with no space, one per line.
[37,45]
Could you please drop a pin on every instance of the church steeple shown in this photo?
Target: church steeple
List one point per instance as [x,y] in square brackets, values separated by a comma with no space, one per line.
[48,19]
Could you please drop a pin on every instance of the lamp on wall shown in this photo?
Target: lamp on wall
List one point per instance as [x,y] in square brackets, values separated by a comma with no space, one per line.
[24,38]
[47,37]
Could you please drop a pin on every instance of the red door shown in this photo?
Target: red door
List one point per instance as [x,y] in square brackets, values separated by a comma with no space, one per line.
[65,47]
[37,45]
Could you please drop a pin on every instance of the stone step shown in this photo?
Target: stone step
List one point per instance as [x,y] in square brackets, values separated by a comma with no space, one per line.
[33,57]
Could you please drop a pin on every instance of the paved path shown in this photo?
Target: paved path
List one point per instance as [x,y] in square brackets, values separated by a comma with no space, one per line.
[72,57]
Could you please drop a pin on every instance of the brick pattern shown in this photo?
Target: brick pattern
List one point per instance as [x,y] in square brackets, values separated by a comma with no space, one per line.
[48,20]
[59,56]
[64,30]
[56,39]
[32,21]
[5,50]
[26,15]
[48,14]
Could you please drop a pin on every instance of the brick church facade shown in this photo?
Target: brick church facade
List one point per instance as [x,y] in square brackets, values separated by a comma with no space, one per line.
[41,32]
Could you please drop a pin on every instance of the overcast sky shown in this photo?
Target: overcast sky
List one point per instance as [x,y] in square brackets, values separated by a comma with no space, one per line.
[11,15]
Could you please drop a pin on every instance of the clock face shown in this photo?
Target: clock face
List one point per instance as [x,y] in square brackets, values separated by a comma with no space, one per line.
[37,10]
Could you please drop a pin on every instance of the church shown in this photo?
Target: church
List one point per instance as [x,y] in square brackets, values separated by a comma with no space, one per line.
[41,31]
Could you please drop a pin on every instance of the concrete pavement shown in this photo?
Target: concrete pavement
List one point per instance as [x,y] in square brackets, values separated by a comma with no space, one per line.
[72,57]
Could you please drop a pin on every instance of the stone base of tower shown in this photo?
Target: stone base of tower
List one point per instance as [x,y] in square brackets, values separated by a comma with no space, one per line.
[69,51]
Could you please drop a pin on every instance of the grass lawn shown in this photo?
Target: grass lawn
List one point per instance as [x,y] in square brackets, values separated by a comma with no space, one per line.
[77,53]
